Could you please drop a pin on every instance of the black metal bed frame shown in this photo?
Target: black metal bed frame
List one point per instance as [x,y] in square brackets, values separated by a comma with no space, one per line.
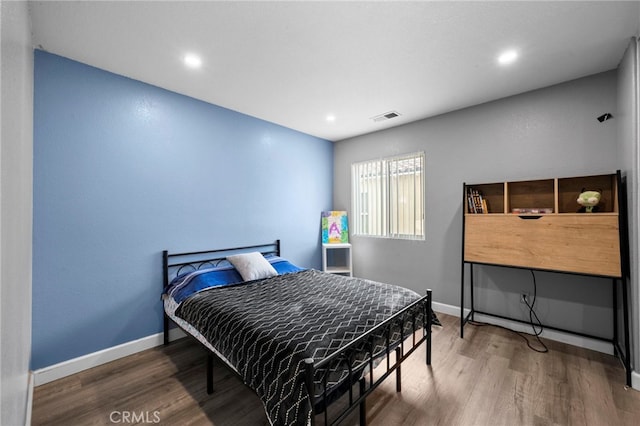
[363,378]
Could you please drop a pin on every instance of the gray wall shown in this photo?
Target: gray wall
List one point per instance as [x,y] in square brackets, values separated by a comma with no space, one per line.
[627,121]
[16,154]
[552,132]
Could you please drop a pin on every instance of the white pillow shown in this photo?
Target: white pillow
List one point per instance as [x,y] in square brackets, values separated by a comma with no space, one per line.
[252,266]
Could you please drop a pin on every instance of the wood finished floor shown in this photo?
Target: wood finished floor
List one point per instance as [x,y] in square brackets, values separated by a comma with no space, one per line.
[488,378]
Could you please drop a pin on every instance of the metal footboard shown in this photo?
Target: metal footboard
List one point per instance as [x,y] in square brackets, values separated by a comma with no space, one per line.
[366,382]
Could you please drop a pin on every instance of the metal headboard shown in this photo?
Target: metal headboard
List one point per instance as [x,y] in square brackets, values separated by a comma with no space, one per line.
[199,259]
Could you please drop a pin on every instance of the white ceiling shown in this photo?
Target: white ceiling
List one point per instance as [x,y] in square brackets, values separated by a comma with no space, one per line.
[294,63]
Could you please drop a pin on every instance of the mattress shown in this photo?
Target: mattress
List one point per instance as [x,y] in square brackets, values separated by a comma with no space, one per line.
[268,329]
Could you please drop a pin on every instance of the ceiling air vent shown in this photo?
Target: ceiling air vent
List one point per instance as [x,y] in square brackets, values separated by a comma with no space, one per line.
[386,116]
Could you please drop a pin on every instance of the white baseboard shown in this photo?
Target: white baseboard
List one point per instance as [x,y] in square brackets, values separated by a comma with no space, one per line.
[30,386]
[76,365]
[447,309]
[635,380]
[558,336]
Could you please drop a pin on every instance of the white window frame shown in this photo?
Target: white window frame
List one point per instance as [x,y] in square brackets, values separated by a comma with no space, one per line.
[381,206]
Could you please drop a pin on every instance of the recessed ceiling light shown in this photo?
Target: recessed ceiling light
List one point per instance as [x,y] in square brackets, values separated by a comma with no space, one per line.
[192,61]
[507,57]
[331,118]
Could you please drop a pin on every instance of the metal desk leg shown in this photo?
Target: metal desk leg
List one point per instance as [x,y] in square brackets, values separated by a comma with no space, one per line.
[462,302]
[627,349]
[471,291]
[615,317]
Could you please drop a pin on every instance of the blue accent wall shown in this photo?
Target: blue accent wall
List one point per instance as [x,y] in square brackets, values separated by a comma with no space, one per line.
[123,170]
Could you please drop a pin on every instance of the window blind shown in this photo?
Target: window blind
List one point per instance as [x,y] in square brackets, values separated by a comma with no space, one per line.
[388,197]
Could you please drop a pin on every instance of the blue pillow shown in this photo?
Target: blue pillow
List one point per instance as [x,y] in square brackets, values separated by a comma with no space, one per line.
[283,266]
[185,285]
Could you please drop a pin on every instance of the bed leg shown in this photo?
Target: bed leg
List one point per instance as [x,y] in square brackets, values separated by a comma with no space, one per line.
[209,373]
[363,404]
[398,370]
[166,329]
[309,373]
[429,324]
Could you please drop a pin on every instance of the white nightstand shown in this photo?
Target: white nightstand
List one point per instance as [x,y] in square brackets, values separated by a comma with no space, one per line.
[340,260]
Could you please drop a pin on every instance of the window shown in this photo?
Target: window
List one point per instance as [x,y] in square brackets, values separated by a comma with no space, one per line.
[388,197]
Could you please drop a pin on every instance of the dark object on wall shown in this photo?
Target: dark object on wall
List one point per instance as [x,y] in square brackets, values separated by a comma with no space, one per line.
[605,117]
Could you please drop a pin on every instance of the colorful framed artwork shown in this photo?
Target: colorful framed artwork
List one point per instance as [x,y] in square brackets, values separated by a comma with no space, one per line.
[335,227]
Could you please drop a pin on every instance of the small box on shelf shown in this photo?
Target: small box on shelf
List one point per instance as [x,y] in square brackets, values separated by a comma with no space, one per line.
[531,195]
[533,210]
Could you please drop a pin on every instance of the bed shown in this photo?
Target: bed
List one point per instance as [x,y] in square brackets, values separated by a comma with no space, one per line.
[307,342]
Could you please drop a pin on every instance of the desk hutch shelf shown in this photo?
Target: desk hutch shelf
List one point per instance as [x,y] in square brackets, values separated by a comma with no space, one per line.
[537,225]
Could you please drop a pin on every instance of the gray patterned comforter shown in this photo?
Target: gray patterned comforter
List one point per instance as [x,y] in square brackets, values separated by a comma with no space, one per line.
[267,328]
